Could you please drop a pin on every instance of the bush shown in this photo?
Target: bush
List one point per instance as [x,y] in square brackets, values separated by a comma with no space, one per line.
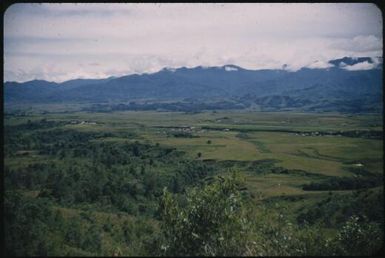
[359,237]
[212,222]
[344,183]
[276,235]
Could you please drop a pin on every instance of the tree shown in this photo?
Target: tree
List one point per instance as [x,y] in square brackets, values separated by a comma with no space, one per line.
[92,239]
[359,237]
[26,226]
[175,185]
[212,222]
[150,182]
[135,150]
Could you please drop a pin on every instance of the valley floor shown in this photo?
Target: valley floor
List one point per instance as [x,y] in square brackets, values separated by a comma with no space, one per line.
[101,175]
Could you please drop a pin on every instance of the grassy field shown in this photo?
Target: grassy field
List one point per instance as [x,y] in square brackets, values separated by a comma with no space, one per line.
[243,136]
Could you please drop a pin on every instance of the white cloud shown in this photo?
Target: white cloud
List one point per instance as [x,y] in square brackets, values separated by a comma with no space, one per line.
[359,66]
[229,68]
[361,43]
[320,65]
[139,38]
[377,60]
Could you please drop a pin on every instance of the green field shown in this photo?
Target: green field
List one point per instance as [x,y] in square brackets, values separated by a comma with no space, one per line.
[321,154]
[276,153]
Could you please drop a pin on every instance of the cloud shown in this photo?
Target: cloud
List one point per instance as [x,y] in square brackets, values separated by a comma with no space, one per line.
[359,66]
[361,43]
[94,64]
[142,38]
[229,68]
[319,65]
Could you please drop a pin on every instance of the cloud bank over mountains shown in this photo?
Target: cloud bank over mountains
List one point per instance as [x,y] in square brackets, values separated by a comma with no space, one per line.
[58,42]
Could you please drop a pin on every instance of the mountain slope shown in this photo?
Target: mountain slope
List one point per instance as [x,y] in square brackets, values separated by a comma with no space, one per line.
[306,88]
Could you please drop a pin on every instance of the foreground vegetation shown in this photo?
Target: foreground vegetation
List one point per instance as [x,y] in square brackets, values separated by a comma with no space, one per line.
[211,183]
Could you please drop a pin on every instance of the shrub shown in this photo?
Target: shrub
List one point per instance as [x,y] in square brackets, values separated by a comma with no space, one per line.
[359,237]
[212,222]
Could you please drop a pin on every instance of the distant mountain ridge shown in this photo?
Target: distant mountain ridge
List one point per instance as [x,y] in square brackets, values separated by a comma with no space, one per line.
[328,89]
[350,61]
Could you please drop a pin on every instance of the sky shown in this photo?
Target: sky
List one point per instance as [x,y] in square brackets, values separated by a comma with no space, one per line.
[58,42]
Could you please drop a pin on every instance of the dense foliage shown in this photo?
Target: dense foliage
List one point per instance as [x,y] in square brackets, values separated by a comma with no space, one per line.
[346,183]
[77,192]
[211,222]
[217,221]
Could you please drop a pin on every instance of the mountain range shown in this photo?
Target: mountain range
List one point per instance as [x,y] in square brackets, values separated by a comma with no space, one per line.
[334,88]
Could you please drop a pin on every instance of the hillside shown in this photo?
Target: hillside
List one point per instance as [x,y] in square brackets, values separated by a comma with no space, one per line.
[336,88]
